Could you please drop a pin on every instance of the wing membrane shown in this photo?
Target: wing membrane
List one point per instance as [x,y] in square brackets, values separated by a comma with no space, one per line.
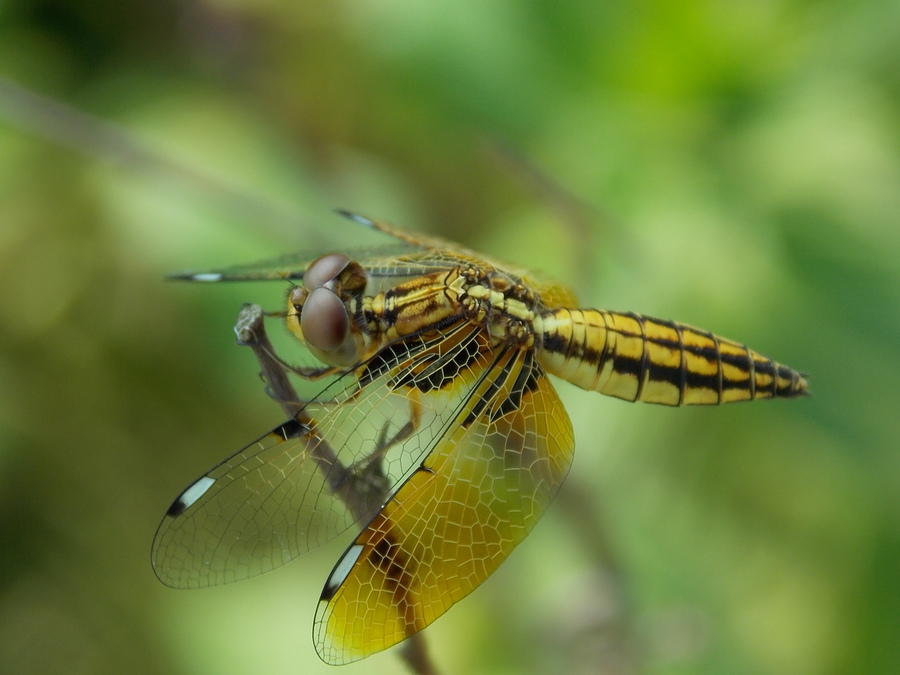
[410,256]
[456,518]
[313,477]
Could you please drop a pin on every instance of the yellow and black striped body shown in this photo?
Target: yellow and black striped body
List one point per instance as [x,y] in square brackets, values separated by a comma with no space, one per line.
[638,358]
[625,355]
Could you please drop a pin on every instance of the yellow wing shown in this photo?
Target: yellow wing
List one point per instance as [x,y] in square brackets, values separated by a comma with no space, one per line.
[472,500]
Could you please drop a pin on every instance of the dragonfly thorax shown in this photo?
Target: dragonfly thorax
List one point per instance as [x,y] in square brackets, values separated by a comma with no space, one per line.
[506,307]
[433,302]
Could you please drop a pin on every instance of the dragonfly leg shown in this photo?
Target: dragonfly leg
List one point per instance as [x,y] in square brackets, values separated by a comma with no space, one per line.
[384,443]
[251,332]
[363,486]
[366,478]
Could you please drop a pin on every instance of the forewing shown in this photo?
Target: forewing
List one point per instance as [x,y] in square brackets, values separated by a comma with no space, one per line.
[314,476]
[386,266]
[472,500]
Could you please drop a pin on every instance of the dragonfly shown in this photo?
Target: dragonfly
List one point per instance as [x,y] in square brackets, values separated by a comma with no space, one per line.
[437,431]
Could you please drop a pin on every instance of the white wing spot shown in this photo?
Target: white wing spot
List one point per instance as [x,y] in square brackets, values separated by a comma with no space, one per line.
[194,492]
[207,276]
[342,570]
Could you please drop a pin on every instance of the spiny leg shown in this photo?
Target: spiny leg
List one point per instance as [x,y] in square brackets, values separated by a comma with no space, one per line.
[360,484]
[366,477]
[251,332]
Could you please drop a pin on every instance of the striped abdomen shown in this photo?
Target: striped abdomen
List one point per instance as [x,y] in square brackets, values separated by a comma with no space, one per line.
[638,358]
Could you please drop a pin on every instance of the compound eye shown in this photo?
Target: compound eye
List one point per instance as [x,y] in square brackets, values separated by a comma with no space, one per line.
[324,321]
[324,270]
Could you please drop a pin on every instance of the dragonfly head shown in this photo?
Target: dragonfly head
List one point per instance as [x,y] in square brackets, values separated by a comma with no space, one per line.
[317,311]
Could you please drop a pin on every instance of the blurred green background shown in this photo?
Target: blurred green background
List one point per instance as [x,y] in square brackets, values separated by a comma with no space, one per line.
[734,165]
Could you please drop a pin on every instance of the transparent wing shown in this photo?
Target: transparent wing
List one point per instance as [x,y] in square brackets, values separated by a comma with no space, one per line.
[472,500]
[336,463]
[385,267]
[410,256]
[441,253]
